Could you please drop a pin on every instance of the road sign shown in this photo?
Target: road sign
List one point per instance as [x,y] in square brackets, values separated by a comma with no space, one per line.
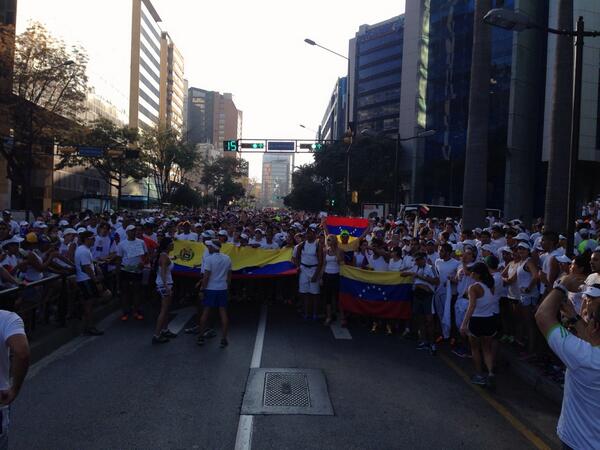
[281,146]
[230,146]
[92,152]
[253,145]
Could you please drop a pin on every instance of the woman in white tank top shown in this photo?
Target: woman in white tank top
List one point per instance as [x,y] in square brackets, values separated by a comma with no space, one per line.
[527,280]
[164,286]
[334,258]
[480,323]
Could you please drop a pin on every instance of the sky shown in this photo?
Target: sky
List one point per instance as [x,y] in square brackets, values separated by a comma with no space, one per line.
[253,49]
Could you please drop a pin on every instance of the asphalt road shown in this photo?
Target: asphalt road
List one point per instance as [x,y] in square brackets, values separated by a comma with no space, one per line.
[120,392]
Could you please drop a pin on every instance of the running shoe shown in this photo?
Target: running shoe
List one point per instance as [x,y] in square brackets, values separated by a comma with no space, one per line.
[224,343]
[125,317]
[168,334]
[406,332]
[138,315]
[439,339]
[479,380]
[374,328]
[432,349]
[423,346]
[388,330]
[192,330]
[209,333]
[159,339]
[460,352]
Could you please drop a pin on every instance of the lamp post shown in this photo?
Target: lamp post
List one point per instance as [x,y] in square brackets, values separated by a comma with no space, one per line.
[515,21]
[313,43]
[397,139]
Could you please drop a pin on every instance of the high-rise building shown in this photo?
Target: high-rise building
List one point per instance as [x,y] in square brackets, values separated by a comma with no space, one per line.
[375,75]
[212,118]
[276,178]
[171,85]
[334,120]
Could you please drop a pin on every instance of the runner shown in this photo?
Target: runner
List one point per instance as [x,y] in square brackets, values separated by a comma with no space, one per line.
[164,287]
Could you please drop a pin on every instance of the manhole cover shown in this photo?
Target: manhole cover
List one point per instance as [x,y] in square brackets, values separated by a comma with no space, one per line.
[286,389]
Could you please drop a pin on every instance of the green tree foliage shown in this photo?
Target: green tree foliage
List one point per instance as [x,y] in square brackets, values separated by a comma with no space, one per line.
[221,177]
[105,133]
[168,158]
[187,197]
[371,174]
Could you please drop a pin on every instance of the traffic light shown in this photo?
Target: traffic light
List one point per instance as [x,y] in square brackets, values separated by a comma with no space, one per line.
[315,147]
[230,146]
[354,197]
[332,202]
[253,145]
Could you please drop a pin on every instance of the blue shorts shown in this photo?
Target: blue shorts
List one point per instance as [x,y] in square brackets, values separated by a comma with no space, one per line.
[215,299]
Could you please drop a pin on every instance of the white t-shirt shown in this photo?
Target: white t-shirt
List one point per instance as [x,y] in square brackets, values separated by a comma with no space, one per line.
[191,236]
[103,247]
[425,271]
[578,425]
[446,270]
[131,254]
[83,257]
[219,266]
[10,325]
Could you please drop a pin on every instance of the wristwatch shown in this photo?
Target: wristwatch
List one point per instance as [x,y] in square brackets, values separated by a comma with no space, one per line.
[558,285]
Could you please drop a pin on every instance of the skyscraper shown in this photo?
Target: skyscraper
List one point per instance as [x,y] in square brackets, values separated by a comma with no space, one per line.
[171,85]
[276,178]
[334,120]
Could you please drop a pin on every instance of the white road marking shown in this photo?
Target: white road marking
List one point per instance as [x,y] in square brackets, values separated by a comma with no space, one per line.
[339,332]
[243,439]
[183,316]
[70,347]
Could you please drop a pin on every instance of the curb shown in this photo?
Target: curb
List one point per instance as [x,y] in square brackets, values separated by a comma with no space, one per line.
[57,337]
[531,376]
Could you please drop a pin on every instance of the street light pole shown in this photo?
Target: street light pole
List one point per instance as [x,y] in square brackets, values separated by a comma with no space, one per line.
[575,132]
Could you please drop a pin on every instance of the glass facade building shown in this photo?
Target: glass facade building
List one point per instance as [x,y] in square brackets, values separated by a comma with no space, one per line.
[276,178]
[376,66]
[334,120]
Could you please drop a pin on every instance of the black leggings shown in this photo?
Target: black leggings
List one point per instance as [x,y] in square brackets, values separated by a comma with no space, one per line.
[331,287]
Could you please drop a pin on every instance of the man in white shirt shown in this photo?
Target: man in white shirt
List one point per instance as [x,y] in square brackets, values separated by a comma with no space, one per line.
[14,363]
[13,226]
[446,268]
[578,425]
[85,275]
[132,254]
[186,233]
[215,283]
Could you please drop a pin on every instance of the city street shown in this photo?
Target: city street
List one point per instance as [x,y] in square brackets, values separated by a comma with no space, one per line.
[119,391]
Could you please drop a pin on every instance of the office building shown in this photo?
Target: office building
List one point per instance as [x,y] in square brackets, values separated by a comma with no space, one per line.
[334,120]
[375,75]
[276,179]
[212,118]
[171,85]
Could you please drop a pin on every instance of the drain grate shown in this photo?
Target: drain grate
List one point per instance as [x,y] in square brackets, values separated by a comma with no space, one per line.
[286,389]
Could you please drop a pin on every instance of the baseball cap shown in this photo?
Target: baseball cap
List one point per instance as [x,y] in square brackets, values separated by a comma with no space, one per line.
[83,230]
[69,231]
[222,233]
[524,245]
[522,237]
[129,228]
[505,249]
[13,240]
[563,259]
[591,291]
[63,223]
[345,233]
[213,243]
[244,236]
[562,237]
[6,212]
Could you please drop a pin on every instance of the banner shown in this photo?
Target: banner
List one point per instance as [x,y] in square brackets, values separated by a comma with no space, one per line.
[246,262]
[355,226]
[382,295]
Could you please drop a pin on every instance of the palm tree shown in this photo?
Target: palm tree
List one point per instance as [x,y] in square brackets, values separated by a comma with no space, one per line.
[557,182]
[476,154]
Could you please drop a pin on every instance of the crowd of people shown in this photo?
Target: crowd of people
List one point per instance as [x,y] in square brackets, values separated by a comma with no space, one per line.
[472,289]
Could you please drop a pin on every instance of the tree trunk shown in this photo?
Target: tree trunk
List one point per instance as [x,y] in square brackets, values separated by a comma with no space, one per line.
[557,182]
[476,154]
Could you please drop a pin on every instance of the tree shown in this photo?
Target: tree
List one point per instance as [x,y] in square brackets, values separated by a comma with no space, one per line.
[113,170]
[557,182]
[187,197]
[308,193]
[50,84]
[168,158]
[220,176]
[476,155]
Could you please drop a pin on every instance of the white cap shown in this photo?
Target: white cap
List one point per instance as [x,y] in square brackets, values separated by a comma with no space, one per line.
[205,235]
[562,237]
[591,291]
[505,249]
[222,233]
[130,228]
[258,230]
[71,231]
[197,225]
[563,259]
[63,223]
[213,243]
[522,237]
[81,230]
[524,245]
[244,236]
[12,240]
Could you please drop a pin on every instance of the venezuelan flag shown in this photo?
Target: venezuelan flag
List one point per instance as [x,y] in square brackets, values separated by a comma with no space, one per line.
[354,226]
[384,295]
